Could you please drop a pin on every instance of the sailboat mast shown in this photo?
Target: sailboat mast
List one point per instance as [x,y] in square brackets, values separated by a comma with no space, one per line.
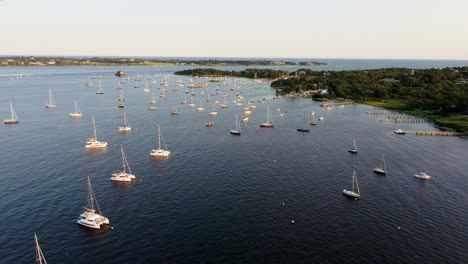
[13,114]
[90,195]
[94,129]
[39,255]
[268,114]
[159,138]
[123,157]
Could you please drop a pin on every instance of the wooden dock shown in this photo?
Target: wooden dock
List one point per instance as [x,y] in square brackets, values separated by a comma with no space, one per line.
[404,120]
[437,133]
[336,104]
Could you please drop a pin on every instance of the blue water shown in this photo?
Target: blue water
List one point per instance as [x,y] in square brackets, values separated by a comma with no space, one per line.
[219,198]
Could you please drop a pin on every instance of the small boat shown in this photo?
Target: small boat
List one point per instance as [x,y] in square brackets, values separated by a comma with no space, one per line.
[354,148]
[152,108]
[267,124]
[14,118]
[314,121]
[123,175]
[125,127]
[354,193]
[383,167]
[200,108]
[399,131]
[88,83]
[93,143]
[120,73]
[245,119]
[51,103]
[277,109]
[89,218]
[213,111]
[153,99]
[303,128]
[121,97]
[423,176]
[175,112]
[237,130]
[40,259]
[159,152]
[77,113]
[321,118]
[210,124]
[185,100]
[99,90]
[121,105]
[146,89]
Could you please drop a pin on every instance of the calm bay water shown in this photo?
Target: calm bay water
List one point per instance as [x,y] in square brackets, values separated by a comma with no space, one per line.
[219,198]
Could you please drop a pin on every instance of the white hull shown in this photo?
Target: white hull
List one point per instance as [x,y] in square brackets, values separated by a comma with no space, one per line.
[380,171]
[93,220]
[152,108]
[200,109]
[214,113]
[351,194]
[75,115]
[125,129]
[95,144]
[10,121]
[50,106]
[266,125]
[160,153]
[122,177]
[423,176]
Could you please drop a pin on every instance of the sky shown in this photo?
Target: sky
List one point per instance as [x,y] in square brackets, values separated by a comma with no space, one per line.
[397,29]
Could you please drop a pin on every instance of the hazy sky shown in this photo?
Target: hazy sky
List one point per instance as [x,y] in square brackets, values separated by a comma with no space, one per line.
[417,29]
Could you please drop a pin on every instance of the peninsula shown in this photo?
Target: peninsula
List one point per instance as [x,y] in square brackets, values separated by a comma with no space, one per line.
[439,95]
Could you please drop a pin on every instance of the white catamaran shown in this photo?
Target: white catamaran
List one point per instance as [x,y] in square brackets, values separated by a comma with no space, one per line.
[123,175]
[51,103]
[89,218]
[354,193]
[125,127]
[159,152]
[77,113]
[354,149]
[14,118]
[93,143]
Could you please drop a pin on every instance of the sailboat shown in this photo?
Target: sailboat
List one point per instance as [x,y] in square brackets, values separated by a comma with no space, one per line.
[175,111]
[200,108]
[159,152]
[191,102]
[123,175]
[99,90]
[93,143]
[354,193]
[224,105]
[77,113]
[237,130]
[314,120]
[125,127]
[40,259]
[383,167]
[51,103]
[14,118]
[267,124]
[214,112]
[354,149]
[303,129]
[146,89]
[153,99]
[185,99]
[89,218]
[121,97]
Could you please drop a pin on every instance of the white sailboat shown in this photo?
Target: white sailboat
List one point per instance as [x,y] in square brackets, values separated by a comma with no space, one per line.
[159,152]
[314,120]
[146,89]
[354,193]
[125,127]
[423,176]
[224,104]
[123,175]
[175,112]
[191,102]
[14,118]
[185,99]
[153,99]
[51,103]
[213,111]
[200,108]
[89,218]
[354,149]
[93,143]
[383,167]
[121,97]
[40,259]
[77,113]
[99,90]
[237,130]
[268,123]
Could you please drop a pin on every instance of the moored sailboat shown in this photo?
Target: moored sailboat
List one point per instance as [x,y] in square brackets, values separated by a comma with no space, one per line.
[51,103]
[160,152]
[89,218]
[268,123]
[77,113]
[123,175]
[303,129]
[354,148]
[383,167]
[14,118]
[237,130]
[125,127]
[354,192]
[93,143]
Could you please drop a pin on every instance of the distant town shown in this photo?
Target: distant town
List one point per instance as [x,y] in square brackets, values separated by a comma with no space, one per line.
[123,61]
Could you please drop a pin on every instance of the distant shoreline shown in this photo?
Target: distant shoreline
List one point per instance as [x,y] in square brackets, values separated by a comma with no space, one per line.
[32,61]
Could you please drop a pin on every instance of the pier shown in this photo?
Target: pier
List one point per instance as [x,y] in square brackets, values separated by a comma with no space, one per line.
[336,104]
[437,133]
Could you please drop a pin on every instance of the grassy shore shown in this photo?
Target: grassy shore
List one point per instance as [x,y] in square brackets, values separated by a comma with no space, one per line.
[455,122]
